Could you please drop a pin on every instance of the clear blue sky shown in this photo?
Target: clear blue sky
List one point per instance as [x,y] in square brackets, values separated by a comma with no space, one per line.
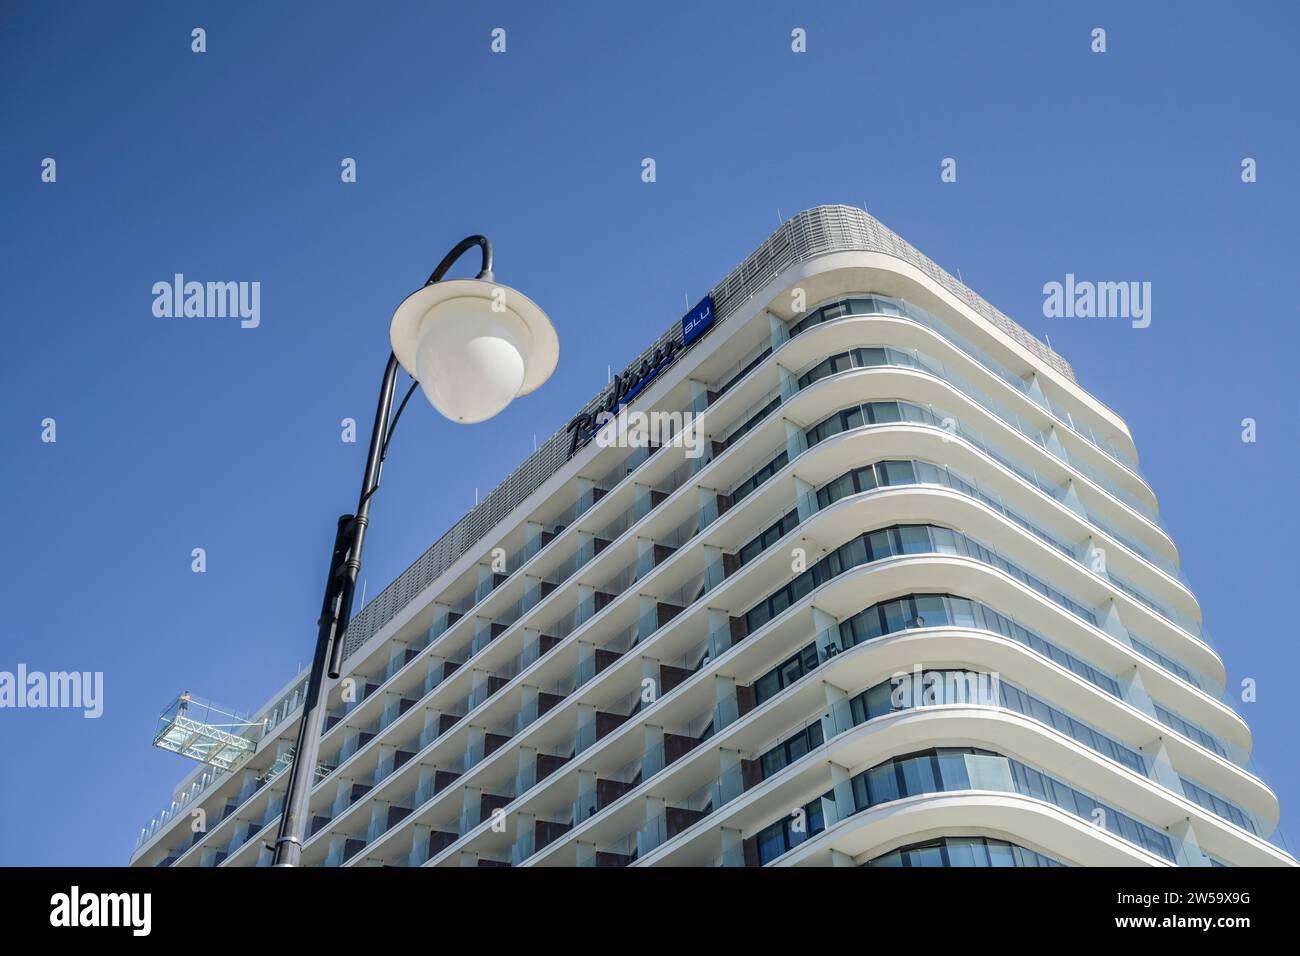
[182,433]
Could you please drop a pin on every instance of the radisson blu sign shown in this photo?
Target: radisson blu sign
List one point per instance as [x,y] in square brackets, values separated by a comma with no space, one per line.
[630,383]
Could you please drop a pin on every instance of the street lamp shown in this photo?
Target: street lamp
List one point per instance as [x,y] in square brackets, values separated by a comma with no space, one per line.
[472,345]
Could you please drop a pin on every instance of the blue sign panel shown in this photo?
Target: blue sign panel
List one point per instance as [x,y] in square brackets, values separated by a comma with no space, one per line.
[697,321]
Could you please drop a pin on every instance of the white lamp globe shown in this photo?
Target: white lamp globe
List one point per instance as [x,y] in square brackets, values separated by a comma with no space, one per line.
[473,345]
[469,361]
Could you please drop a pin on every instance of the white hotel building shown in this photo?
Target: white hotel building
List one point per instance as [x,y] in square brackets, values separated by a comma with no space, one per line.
[696,661]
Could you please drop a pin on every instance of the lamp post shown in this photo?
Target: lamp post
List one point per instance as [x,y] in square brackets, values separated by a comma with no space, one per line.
[472,345]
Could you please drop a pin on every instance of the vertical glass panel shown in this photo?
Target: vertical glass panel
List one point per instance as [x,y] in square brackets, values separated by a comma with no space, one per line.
[878,545]
[952,769]
[885,412]
[882,784]
[928,856]
[878,700]
[915,414]
[899,473]
[915,539]
[945,541]
[771,843]
[854,553]
[966,852]
[796,748]
[962,611]
[841,487]
[918,775]
[861,798]
[929,474]
[896,616]
[930,610]
[790,672]
[767,686]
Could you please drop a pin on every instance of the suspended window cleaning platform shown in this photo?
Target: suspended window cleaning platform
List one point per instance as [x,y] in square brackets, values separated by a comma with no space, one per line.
[202,731]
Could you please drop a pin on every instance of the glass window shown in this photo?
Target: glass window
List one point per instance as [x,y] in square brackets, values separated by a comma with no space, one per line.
[899,473]
[962,611]
[952,769]
[930,610]
[854,553]
[864,478]
[882,784]
[966,852]
[815,736]
[791,671]
[945,541]
[927,856]
[772,761]
[796,748]
[863,626]
[918,775]
[778,602]
[841,487]
[879,545]
[885,412]
[800,587]
[896,617]
[1004,854]
[767,686]
[879,700]
[771,842]
[914,414]
[915,539]
[861,797]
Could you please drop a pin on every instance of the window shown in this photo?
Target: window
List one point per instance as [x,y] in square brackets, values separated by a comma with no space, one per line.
[785,674]
[963,852]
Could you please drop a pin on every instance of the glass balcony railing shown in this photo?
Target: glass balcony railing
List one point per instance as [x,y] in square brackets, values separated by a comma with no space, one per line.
[867,305]
[889,356]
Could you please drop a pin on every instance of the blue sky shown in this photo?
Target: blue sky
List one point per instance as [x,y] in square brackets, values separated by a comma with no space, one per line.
[182,433]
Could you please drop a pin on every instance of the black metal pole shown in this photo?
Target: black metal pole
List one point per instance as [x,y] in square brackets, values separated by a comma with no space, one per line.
[340,587]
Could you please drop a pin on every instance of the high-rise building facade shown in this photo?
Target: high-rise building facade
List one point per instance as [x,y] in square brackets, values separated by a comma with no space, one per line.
[880,584]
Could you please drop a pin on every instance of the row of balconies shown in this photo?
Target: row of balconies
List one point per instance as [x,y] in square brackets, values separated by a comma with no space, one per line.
[396,706]
[709,396]
[480,804]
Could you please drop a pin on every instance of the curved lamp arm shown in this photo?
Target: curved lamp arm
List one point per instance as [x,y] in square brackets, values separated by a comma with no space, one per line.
[485,272]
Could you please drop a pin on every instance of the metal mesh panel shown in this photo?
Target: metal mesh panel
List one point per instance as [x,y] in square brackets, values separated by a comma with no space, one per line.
[811,233]
[824,229]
